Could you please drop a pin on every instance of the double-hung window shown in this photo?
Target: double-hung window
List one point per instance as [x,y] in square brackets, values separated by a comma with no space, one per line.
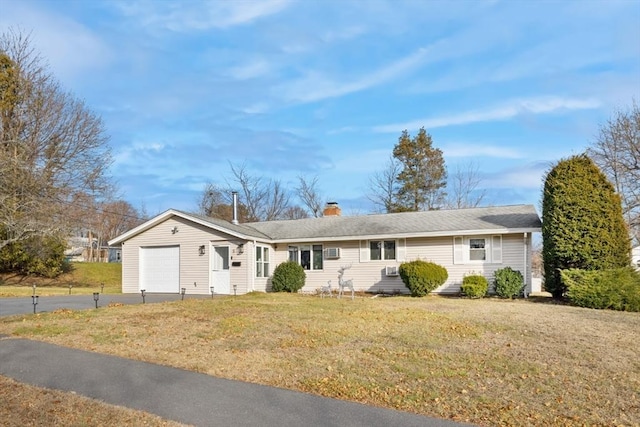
[477,249]
[262,261]
[382,250]
[308,256]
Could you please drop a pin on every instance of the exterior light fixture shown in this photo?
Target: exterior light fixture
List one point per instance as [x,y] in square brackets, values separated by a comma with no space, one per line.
[201,250]
[240,248]
[174,230]
[70,286]
[143,291]
[182,292]
[235,290]
[96,297]
[34,301]
[211,292]
[102,288]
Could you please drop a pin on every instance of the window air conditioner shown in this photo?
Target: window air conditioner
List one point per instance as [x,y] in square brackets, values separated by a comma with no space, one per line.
[330,253]
[392,271]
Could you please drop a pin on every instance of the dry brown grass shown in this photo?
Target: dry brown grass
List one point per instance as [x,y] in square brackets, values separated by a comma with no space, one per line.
[24,406]
[488,362]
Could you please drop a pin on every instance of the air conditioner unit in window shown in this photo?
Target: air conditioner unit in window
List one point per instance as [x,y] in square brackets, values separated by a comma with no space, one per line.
[330,253]
[392,271]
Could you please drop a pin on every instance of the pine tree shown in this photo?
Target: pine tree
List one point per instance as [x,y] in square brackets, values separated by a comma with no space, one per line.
[582,222]
[423,176]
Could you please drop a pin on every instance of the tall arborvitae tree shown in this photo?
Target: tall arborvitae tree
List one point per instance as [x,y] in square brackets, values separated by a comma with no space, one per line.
[423,176]
[582,222]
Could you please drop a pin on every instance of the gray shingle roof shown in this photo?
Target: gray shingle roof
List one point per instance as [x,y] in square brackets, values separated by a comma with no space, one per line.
[497,218]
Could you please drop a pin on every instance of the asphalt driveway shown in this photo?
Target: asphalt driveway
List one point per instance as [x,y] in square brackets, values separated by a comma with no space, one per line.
[24,305]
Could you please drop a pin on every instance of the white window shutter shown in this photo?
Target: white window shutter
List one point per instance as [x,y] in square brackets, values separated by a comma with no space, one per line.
[364,251]
[402,250]
[496,249]
[458,250]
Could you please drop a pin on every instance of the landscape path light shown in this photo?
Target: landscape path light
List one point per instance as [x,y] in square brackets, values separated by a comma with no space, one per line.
[211,292]
[34,289]
[102,288]
[34,301]
[183,291]
[70,286]
[96,297]
[143,291]
[235,289]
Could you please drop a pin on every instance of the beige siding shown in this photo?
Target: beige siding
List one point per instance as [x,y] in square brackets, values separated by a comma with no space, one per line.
[370,276]
[194,268]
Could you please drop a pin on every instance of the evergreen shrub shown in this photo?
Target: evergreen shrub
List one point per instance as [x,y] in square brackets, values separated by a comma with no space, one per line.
[422,277]
[508,283]
[614,289]
[474,286]
[288,277]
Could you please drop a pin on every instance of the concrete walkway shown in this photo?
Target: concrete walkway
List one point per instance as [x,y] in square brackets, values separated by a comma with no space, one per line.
[185,396]
[24,305]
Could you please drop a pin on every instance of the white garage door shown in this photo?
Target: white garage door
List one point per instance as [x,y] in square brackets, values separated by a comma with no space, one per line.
[160,269]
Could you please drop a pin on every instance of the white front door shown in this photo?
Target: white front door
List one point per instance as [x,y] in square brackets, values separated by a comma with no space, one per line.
[220,278]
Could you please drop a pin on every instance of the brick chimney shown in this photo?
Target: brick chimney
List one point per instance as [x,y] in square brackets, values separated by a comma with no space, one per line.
[331,209]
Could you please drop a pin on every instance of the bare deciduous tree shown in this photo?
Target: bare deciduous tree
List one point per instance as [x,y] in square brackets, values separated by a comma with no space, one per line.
[617,152]
[310,195]
[463,187]
[52,146]
[383,186]
[264,199]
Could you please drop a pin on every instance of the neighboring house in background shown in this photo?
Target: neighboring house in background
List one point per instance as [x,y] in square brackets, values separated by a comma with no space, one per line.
[177,250]
[635,257]
[78,251]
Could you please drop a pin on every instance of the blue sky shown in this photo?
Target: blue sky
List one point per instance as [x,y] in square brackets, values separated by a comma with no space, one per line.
[325,88]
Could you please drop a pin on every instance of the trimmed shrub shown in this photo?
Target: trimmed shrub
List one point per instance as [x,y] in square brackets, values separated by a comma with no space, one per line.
[35,256]
[615,289]
[474,286]
[508,283]
[288,277]
[422,277]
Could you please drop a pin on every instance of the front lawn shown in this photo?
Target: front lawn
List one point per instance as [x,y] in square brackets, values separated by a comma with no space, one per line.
[488,362]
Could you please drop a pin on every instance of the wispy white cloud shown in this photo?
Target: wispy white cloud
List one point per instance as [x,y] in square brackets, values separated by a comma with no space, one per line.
[505,111]
[480,149]
[315,86]
[200,16]
[249,70]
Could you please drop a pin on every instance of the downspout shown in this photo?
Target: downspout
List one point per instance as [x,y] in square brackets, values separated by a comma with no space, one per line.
[526,276]
[253,266]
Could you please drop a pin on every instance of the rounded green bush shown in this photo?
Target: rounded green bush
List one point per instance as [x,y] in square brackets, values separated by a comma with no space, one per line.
[422,277]
[474,286]
[288,277]
[508,283]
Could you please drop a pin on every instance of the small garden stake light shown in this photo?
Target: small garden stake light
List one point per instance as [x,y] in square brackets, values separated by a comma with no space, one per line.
[70,286]
[143,291]
[96,297]
[183,291]
[34,289]
[235,289]
[211,292]
[102,288]
[34,301]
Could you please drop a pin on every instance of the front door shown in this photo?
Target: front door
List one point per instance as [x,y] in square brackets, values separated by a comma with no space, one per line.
[220,278]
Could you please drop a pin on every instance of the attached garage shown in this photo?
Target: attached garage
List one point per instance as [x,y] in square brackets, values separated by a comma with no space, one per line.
[160,269]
